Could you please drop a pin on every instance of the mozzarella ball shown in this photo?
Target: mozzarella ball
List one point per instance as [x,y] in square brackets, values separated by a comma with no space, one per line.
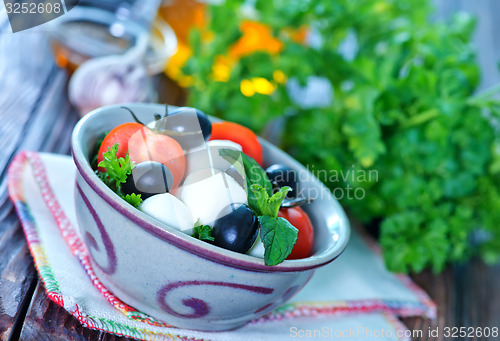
[224,144]
[257,249]
[169,210]
[209,193]
[209,157]
[218,162]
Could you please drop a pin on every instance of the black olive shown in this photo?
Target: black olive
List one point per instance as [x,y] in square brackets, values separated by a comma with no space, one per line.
[237,230]
[204,122]
[284,176]
[188,126]
[148,178]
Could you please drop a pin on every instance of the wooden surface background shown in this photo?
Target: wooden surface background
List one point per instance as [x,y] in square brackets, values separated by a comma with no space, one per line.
[35,115]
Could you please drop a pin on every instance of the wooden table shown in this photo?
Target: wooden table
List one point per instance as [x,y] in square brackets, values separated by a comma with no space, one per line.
[35,115]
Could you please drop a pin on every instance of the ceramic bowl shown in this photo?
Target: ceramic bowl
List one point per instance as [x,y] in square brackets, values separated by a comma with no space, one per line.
[176,278]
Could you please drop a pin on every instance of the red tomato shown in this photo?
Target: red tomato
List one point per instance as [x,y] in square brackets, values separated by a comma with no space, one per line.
[120,135]
[242,135]
[298,218]
[146,145]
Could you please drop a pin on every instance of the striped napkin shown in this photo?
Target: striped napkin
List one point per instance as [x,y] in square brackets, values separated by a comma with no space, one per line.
[354,297]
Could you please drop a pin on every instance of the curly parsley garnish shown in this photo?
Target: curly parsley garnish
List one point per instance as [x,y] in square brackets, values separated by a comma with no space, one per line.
[203,232]
[116,174]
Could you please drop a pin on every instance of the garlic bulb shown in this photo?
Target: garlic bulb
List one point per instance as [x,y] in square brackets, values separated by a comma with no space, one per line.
[108,80]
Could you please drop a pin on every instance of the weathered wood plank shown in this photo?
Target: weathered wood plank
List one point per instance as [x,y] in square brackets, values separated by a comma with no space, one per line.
[47,321]
[467,296]
[441,289]
[17,275]
[481,297]
[35,115]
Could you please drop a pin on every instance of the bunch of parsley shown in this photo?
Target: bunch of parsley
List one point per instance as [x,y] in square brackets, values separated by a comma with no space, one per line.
[404,105]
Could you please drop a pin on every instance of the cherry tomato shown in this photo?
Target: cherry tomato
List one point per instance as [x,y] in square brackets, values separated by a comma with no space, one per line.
[298,218]
[242,135]
[120,135]
[146,145]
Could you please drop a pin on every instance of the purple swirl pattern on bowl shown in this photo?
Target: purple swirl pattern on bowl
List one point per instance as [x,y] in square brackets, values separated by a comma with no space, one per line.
[200,307]
[110,268]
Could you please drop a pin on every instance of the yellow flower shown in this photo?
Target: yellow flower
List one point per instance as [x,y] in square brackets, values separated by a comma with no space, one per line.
[263,86]
[221,70]
[176,62]
[185,81]
[246,88]
[249,87]
[279,77]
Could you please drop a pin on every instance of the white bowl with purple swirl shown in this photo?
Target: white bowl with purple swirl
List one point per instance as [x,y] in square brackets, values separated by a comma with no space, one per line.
[174,277]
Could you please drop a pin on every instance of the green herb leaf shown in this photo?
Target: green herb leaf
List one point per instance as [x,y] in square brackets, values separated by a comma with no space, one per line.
[98,144]
[133,199]
[269,206]
[279,238]
[117,169]
[254,175]
[203,232]
[107,180]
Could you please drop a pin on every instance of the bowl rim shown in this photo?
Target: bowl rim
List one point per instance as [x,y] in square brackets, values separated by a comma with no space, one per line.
[184,241]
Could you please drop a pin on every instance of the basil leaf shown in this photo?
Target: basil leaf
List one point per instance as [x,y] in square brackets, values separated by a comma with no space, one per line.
[279,237]
[254,175]
[269,206]
[274,202]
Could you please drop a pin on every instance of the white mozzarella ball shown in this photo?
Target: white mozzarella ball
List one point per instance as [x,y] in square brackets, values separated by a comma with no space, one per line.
[169,210]
[224,144]
[257,249]
[209,193]
[208,156]
[218,162]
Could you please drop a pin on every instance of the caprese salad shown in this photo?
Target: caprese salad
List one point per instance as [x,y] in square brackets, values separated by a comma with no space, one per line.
[206,179]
